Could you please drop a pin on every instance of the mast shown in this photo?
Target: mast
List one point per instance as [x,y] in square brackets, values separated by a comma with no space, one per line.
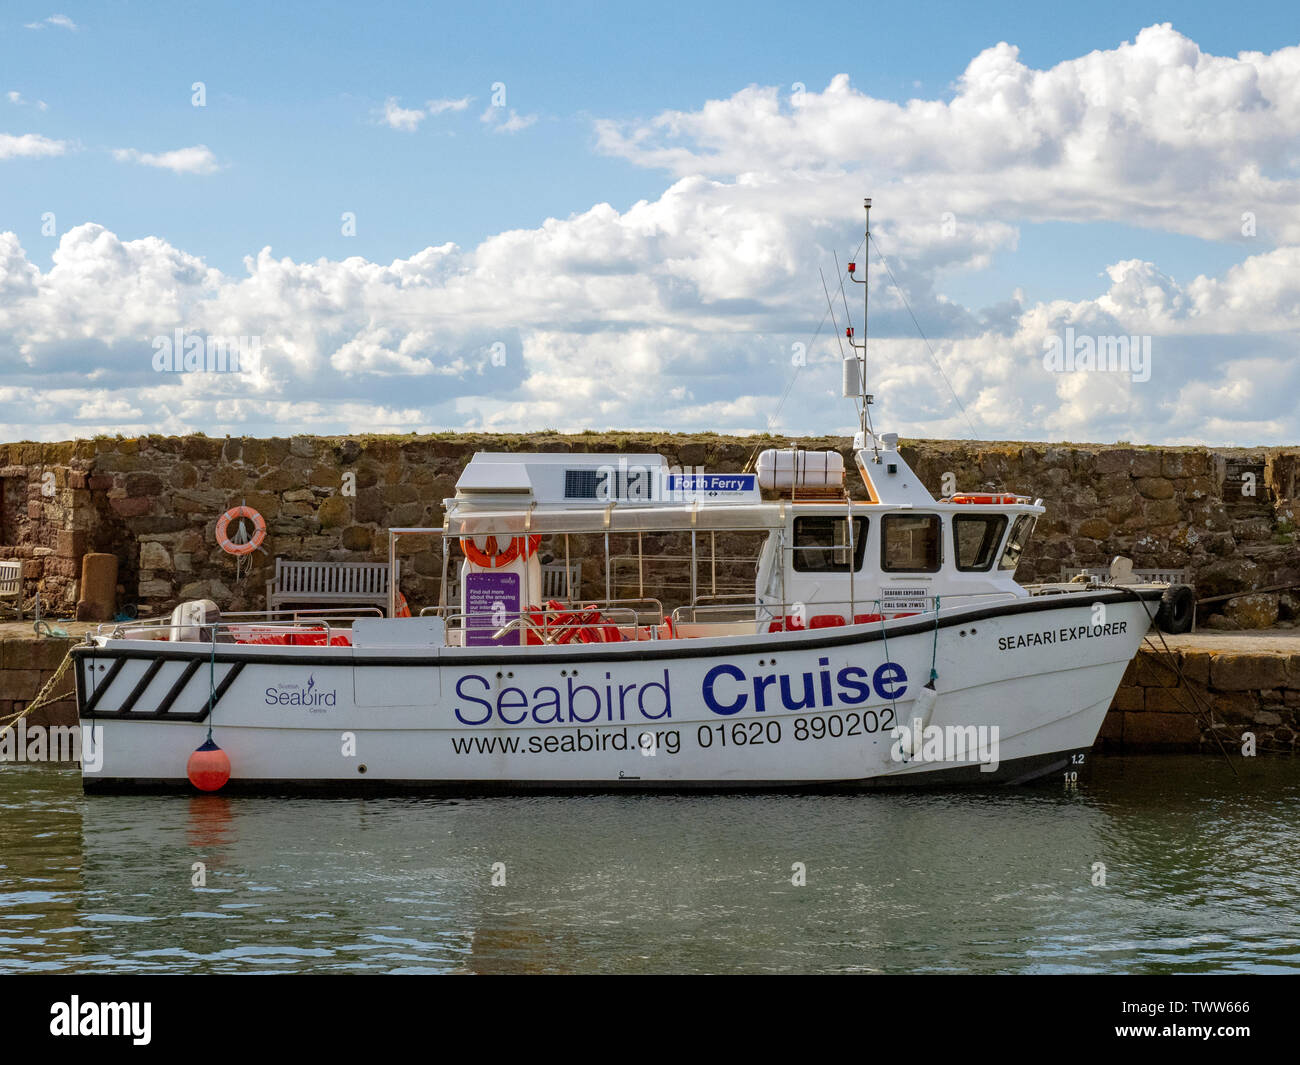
[855,365]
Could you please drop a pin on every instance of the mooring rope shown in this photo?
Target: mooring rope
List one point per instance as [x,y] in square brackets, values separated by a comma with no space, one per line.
[44,697]
[1173,664]
[893,699]
[934,650]
[212,682]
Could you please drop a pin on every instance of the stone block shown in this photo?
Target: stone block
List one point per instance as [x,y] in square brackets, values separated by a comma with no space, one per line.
[1112,729]
[1095,529]
[1235,671]
[1128,698]
[1161,730]
[1146,464]
[133,507]
[358,538]
[144,484]
[1152,673]
[1169,700]
[1238,707]
[70,543]
[20,685]
[1258,611]
[1113,460]
[1196,667]
[154,556]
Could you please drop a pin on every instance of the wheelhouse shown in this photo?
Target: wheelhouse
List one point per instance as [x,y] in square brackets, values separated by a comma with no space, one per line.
[819,557]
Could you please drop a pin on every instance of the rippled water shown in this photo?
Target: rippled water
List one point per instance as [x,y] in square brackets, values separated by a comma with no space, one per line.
[1201,876]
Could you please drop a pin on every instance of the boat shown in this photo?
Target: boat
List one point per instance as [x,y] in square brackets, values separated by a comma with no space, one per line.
[883,642]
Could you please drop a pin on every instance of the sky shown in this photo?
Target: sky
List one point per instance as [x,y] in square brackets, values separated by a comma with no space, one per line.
[428,217]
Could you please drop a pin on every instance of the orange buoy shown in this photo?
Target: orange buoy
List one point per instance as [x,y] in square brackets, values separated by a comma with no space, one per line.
[495,557]
[403,609]
[223,525]
[208,767]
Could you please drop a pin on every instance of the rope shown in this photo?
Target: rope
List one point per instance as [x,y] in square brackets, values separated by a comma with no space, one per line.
[893,699]
[934,650]
[212,682]
[1171,663]
[44,697]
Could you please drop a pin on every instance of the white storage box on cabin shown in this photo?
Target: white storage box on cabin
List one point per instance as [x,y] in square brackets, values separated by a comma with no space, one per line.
[788,467]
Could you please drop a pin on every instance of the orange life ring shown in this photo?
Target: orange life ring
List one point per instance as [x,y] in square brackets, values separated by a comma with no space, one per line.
[492,557]
[984,499]
[403,611]
[259,531]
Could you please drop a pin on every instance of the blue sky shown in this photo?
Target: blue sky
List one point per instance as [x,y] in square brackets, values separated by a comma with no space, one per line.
[295,132]
[293,87]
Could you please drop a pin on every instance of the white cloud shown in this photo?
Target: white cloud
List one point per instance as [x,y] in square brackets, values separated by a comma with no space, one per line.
[17,99]
[59,21]
[29,146]
[506,120]
[196,160]
[1154,132]
[398,117]
[680,312]
[437,107]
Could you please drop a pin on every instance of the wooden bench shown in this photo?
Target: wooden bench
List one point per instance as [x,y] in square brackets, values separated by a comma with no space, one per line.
[11,583]
[329,584]
[555,580]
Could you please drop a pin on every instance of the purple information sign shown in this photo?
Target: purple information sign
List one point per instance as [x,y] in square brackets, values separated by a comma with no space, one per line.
[491,599]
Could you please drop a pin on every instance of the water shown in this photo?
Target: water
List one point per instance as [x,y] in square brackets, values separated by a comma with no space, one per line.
[1201,876]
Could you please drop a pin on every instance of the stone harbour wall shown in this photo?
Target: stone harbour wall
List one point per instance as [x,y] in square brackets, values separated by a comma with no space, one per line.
[1228,516]
[26,664]
[1221,697]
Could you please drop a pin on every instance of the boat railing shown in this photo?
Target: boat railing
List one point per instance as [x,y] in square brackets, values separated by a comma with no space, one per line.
[649,611]
[812,613]
[551,625]
[241,626]
[743,598]
[663,572]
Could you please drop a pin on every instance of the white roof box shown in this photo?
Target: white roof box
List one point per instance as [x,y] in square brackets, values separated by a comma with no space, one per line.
[790,467]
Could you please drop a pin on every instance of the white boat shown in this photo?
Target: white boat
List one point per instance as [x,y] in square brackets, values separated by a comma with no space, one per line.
[885,642]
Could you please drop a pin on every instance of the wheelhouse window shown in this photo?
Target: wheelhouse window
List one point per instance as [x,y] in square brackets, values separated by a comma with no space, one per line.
[910,543]
[1020,533]
[975,538]
[821,544]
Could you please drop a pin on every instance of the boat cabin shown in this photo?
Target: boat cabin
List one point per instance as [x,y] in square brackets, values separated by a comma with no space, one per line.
[820,558]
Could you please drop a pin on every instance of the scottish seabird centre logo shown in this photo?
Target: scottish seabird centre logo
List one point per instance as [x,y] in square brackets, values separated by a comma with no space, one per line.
[308,695]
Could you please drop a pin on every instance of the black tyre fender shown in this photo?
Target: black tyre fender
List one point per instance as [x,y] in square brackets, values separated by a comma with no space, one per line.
[1177,607]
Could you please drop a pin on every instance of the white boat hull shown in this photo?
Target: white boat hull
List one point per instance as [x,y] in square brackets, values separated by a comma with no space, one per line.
[796,710]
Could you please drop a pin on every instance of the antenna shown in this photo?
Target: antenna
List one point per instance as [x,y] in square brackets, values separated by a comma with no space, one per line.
[855,366]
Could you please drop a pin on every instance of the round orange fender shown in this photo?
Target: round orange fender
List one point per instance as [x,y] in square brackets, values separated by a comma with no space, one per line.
[223,525]
[495,558]
[208,767]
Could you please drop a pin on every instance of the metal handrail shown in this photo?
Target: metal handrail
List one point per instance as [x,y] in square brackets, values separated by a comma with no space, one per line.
[526,621]
[479,615]
[764,611]
[213,629]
